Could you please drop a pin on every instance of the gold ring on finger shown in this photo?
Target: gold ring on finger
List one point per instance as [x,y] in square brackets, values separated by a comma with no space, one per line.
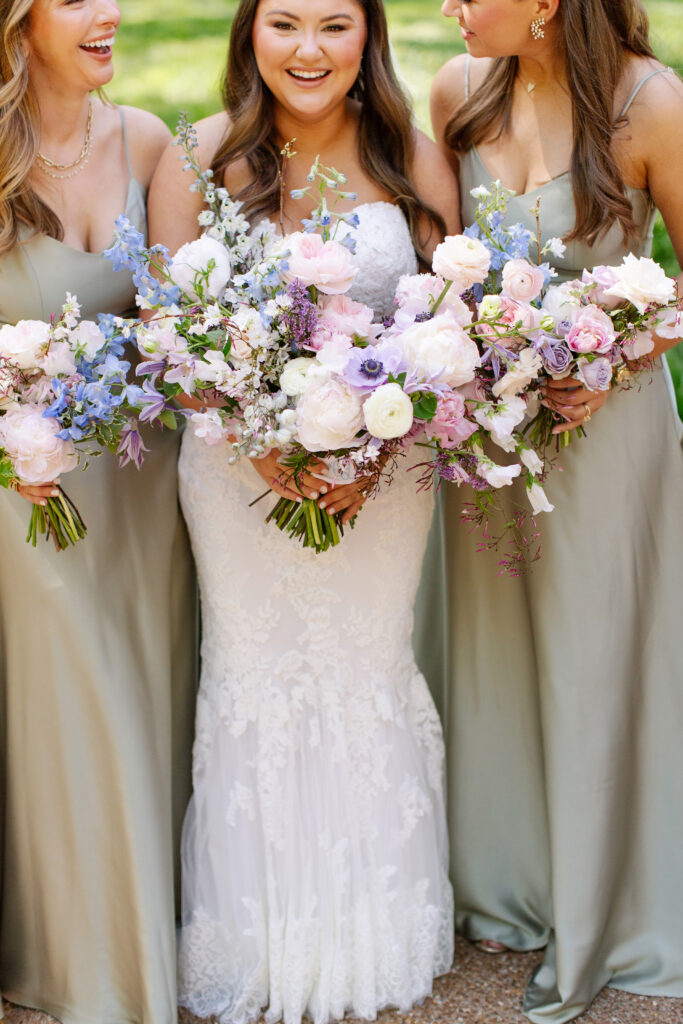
[586,413]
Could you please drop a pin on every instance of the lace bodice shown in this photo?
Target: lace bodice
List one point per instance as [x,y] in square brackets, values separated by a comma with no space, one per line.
[381,264]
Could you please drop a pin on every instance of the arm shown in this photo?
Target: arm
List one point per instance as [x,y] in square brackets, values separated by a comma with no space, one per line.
[436,182]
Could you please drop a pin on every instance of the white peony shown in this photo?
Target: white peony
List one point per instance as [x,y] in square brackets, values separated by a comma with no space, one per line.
[440,349]
[329,415]
[560,302]
[293,378]
[642,282]
[462,260]
[202,266]
[388,412]
[23,344]
[327,265]
[538,500]
[520,374]
[30,439]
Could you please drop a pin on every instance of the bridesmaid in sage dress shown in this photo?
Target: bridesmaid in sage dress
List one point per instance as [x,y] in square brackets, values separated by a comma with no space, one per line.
[97,641]
[562,694]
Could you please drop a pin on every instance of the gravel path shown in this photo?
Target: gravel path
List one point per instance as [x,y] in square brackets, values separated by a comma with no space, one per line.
[482,989]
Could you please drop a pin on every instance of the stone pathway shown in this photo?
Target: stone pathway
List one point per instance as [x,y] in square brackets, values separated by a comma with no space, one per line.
[482,989]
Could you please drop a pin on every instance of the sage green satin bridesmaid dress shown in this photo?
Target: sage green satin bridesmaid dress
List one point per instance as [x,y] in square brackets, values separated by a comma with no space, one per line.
[562,691]
[98,653]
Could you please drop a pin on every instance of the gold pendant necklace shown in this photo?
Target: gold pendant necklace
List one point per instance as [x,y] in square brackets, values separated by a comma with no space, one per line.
[63,171]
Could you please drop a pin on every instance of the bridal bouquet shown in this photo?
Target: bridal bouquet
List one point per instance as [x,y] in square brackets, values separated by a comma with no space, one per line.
[64,394]
[262,327]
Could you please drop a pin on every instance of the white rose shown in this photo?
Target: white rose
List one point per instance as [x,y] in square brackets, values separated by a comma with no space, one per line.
[462,260]
[440,349]
[30,439]
[329,415]
[294,376]
[538,500]
[520,375]
[201,266]
[388,412]
[642,282]
[24,343]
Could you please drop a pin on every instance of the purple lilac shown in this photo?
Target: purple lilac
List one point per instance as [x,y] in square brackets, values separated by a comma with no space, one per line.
[301,318]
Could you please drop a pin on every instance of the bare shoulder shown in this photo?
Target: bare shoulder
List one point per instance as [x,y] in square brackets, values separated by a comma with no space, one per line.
[655,118]
[435,180]
[147,136]
[450,85]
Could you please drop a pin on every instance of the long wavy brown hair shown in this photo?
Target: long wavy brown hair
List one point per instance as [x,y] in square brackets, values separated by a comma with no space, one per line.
[19,134]
[386,136]
[597,36]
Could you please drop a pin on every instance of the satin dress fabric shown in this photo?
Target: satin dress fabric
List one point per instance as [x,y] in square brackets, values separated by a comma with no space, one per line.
[98,659]
[562,691]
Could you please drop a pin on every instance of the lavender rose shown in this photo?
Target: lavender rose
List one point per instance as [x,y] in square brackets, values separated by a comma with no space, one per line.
[596,374]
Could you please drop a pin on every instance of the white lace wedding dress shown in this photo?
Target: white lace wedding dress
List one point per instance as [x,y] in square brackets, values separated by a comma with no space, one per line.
[314,851]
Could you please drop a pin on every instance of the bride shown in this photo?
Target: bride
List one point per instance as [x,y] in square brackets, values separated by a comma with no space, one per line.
[314,851]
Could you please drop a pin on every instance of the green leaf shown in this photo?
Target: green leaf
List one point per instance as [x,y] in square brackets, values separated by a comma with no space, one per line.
[169,419]
[424,406]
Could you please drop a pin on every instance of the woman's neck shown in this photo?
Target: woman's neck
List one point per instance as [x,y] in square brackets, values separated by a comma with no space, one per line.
[319,136]
[63,119]
[545,68]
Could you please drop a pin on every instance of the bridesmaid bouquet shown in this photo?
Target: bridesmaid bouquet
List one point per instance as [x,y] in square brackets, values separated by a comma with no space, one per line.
[598,330]
[63,397]
[262,326]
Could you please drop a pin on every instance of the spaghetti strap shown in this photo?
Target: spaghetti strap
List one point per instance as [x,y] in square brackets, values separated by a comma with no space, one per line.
[641,83]
[125,143]
[468,61]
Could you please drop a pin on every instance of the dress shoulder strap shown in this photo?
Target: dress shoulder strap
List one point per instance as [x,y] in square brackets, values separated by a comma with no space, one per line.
[468,61]
[641,83]
[125,142]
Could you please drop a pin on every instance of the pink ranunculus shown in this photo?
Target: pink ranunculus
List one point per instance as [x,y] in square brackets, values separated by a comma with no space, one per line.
[601,278]
[592,331]
[522,281]
[30,439]
[450,426]
[341,315]
[327,265]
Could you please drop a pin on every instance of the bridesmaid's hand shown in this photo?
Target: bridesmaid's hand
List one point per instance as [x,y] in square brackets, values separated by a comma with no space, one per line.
[575,403]
[348,499]
[280,480]
[38,493]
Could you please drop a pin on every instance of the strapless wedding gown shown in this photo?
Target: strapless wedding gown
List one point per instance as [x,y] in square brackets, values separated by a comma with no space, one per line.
[314,851]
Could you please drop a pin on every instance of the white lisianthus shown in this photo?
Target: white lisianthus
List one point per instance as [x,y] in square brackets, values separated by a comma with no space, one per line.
[670,324]
[329,415]
[202,266]
[642,282]
[538,499]
[208,425]
[439,349]
[462,260]
[501,419]
[23,344]
[388,412]
[561,302]
[520,374]
[531,460]
[293,378]
[88,338]
[30,439]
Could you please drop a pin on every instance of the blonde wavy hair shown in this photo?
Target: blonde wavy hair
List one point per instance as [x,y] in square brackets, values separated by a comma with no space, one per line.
[19,134]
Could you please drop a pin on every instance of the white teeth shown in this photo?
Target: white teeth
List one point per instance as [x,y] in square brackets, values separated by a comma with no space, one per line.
[98,44]
[308,74]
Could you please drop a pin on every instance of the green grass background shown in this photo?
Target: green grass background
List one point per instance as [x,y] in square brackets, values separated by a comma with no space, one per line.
[171,55]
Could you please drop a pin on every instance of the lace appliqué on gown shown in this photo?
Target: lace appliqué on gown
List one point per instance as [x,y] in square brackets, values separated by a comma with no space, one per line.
[314,851]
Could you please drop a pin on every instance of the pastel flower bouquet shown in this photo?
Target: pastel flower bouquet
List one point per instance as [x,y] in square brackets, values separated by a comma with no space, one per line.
[262,331]
[65,397]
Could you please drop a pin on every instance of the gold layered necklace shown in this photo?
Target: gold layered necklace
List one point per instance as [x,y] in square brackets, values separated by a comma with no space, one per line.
[62,171]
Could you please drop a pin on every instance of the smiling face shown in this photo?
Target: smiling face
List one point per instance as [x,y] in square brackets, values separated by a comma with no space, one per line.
[70,42]
[309,52]
[493,28]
